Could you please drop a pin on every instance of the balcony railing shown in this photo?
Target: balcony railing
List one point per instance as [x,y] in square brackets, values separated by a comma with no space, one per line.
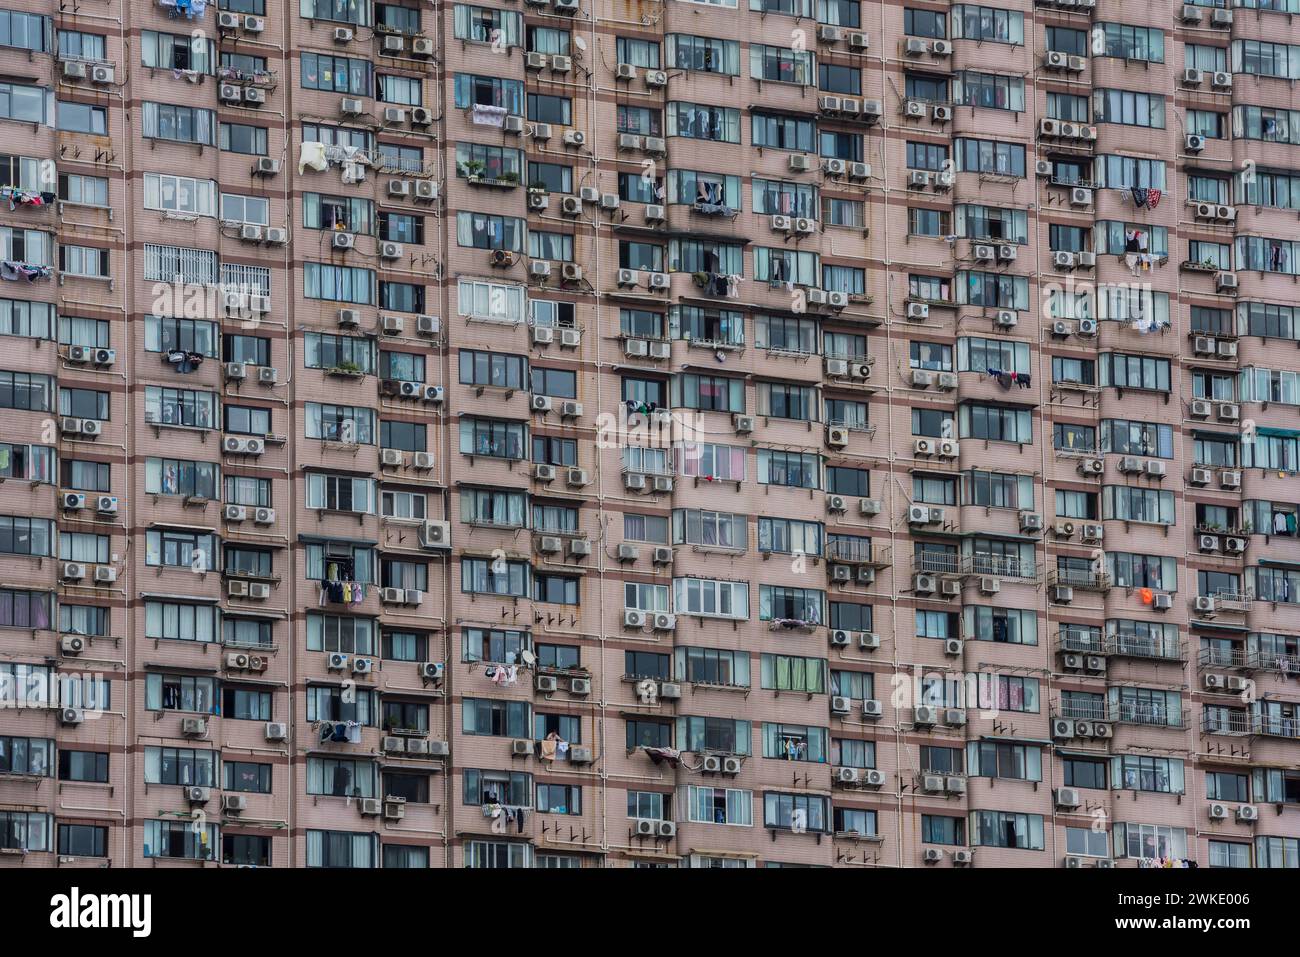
[1079,642]
[1124,713]
[1277,726]
[1001,566]
[1132,646]
[983,563]
[1084,580]
[1149,715]
[858,553]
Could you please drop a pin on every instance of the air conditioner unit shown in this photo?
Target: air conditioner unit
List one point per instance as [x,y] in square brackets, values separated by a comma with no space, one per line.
[351,106]
[105,575]
[662,555]
[198,795]
[941,114]
[276,731]
[918,179]
[343,241]
[1247,812]
[72,571]
[837,437]
[69,716]
[1234,546]
[800,162]
[1194,142]
[254,95]
[840,705]
[1080,196]
[577,478]
[103,74]
[229,93]
[1229,412]
[194,727]
[1055,60]
[664,622]
[435,535]
[1225,280]
[1062,594]
[655,214]
[829,104]
[834,167]
[656,79]
[656,145]
[427,190]
[917,311]
[952,647]
[742,424]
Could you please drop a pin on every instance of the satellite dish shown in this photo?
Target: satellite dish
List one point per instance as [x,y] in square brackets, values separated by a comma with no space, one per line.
[580,43]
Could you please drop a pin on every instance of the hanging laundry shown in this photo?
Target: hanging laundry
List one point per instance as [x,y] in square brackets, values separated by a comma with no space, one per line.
[1139,196]
[13,271]
[484,114]
[312,156]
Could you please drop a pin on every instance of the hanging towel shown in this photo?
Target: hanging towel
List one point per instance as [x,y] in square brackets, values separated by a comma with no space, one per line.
[312,156]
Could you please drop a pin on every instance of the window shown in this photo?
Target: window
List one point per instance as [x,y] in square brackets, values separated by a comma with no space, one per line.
[988,23]
[794,469]
[559,799]
[989,156]
[995,423]
[180,194]
[1129,108]
[242,138]
[511,719]
[347,284]
[1007,829]
[1146,773]
[943,830]
[1008,693]
[797,812]
[993,759]
[483,576]
[707,805]
[712,666]
[339,848]
[988,90]
[791,673]
[716,123]
[337,11]
[246,776]
[179,477]
[780,64]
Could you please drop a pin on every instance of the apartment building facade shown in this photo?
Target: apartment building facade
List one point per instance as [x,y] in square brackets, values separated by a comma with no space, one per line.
[619,433]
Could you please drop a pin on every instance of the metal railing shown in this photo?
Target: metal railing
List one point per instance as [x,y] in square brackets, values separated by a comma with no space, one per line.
[1132,646]
[1082,580]
[860,553]
[998,566]
[1230,723]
